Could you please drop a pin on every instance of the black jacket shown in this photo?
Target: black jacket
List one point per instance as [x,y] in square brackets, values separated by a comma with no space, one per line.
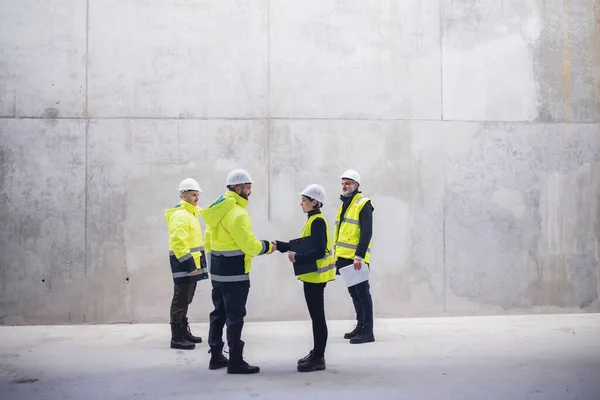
[318,235]
[366,228]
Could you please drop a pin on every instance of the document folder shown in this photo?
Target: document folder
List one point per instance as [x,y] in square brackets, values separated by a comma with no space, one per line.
[303,245]
[354,277]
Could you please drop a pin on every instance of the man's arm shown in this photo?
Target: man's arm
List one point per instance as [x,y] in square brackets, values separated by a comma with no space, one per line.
[366,229]
[246,240]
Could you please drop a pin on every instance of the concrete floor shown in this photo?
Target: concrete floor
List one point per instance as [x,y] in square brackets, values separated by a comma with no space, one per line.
[508,357]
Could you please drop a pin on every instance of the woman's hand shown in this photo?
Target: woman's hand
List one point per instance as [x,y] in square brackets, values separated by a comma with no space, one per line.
[292,256]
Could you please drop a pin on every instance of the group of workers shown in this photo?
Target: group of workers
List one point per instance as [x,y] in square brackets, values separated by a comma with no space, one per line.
[229,244]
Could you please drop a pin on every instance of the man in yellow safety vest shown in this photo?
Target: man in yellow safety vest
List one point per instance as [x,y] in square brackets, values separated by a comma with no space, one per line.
[352,246]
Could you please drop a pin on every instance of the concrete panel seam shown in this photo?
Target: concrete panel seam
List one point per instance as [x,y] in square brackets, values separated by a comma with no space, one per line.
[441,29]
[267,119]
[87,56]
[85,199]
[269,110]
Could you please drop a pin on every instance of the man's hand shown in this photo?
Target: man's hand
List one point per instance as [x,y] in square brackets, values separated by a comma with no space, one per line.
[357,264]
[194,272]
[292,256]
[273,247]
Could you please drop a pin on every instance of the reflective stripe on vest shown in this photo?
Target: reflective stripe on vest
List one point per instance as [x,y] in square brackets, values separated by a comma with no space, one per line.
[232,278]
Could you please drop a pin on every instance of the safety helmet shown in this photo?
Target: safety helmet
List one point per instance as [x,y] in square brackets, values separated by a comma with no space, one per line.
[238,177]
[316,192]
[351,174]
[189,184]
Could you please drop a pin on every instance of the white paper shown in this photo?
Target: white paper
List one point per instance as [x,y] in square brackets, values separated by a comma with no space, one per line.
[354,277]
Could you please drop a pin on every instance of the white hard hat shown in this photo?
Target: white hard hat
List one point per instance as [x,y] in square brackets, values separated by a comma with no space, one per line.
[189,184]
[238,177]
[316,192]
[351,174]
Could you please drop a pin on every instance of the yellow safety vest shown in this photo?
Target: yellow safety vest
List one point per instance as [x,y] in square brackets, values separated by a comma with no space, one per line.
[347,231]
[326,270]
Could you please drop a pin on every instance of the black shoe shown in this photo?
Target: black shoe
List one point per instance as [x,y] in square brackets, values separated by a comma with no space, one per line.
[177,339]
[305,358]
[353,332]
[312,364]
[217,359]
[242,367]
[236,364]
[363,337]
[187,333]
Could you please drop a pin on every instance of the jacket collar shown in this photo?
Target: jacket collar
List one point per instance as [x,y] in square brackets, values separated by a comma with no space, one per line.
[242,202]
[190,207]
[313,212]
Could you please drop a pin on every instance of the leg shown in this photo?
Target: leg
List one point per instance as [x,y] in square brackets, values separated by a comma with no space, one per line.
[215,332]
[186,326]
[217,317]
[366,333]
[178,308]
[315,301]
[236,295]
[359,313]
[366,304]
[179,304]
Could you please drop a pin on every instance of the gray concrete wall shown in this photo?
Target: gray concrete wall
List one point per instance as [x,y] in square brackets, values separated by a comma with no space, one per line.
[475,126]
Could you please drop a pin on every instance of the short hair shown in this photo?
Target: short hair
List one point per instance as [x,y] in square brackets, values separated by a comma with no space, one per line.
[319,204]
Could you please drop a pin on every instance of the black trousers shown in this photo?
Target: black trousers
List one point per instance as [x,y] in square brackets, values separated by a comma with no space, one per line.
[229,300]
[183,294]
[314,293]
[363,304]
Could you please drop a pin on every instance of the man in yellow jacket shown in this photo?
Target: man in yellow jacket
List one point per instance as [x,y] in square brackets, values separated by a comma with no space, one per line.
[188,263]
[231,246]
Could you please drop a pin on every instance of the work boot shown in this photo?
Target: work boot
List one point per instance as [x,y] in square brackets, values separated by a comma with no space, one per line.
[177,339]
[217,359]
[364,336]
[353,332]
[237,365]
[312,364]
[187,333]
[305,358]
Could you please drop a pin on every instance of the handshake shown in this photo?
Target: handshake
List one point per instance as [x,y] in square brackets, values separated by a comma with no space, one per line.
[291,254]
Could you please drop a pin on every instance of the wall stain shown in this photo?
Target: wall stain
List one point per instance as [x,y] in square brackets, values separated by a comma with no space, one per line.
[51,113]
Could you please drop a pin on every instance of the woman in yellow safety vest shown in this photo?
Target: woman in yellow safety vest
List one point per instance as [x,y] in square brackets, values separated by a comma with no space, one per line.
[316,228]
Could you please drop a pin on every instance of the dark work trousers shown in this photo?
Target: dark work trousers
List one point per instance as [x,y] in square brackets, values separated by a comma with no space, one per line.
[183,294]
[229,300]
[363,304]
[315,301]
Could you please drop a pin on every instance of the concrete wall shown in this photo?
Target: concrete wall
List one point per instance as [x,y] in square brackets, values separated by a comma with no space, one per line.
[475,126]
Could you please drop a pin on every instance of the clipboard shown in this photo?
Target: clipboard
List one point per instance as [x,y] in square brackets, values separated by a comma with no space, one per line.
[302,245]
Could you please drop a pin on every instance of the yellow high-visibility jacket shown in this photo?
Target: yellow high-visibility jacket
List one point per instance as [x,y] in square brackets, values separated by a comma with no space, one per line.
[186,247]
